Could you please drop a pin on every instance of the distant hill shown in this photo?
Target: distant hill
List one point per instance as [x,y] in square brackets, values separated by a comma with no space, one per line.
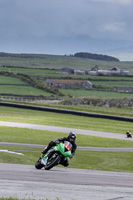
[96,56]
[21,55]
[81,55]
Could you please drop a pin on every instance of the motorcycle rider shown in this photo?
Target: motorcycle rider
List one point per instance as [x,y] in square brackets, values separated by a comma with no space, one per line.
[129,135]
[71,138]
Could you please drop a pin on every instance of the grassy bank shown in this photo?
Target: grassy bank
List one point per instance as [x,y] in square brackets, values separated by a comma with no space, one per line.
[125,111]
[110,161]
[92,160]
[63,120]
[30,136]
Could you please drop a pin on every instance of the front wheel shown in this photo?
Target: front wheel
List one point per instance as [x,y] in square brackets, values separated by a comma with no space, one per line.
[38,164]
[53,161]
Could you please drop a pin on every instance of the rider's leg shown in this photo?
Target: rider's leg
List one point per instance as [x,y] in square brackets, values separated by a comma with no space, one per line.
[45,150]
[65,163]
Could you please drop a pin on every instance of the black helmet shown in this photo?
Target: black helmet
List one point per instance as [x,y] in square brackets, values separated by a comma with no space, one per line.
[72,135]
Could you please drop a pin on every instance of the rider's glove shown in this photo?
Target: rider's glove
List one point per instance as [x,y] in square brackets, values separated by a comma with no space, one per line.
[56,141]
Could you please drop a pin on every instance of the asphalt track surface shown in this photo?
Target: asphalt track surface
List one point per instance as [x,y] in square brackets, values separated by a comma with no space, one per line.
[24,181]
[64,130]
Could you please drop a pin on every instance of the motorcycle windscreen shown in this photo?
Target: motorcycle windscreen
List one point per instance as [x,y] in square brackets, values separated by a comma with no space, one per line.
[68,146]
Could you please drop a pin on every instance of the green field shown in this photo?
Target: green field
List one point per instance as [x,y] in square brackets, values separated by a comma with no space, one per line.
[32,71]
[4,80]
[113,83]
[22,90]
[54,61]
[40,67]
[15,86]
[95,93]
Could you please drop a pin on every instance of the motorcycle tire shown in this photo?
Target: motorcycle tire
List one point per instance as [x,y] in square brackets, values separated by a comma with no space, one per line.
[53,163]
[38,164]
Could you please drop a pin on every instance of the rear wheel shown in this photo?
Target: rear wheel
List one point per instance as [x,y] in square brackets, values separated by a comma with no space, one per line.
[53,161]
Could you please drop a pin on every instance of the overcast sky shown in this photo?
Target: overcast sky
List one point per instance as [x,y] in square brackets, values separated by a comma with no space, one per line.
[67,26]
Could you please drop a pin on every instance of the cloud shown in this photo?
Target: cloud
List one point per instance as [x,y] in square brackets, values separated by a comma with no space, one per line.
[124,2]
[114,27]
[58,18]
[64,25]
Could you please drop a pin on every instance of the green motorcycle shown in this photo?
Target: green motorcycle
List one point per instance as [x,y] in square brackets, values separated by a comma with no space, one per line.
[56,155]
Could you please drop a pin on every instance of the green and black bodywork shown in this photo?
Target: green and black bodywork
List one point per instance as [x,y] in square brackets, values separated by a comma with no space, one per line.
[56,155]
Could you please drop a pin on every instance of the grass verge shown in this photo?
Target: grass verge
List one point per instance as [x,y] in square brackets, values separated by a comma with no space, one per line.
[107,161]
[30,136]
[92,160]
[63,120]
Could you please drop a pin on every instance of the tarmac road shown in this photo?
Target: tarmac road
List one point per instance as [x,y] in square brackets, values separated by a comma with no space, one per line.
[79,148]
[24,181]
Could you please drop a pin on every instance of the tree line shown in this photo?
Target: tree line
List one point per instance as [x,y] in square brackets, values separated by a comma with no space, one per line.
[96,56]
